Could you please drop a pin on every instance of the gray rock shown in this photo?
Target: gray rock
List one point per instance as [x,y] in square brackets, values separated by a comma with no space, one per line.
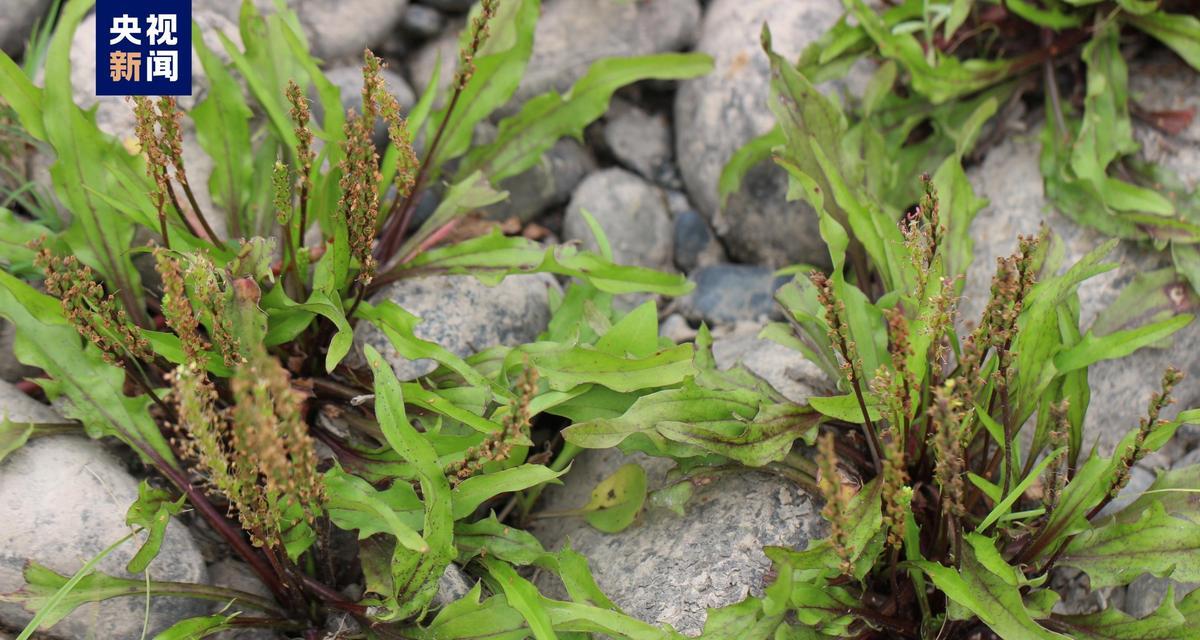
[1120,389]
[1145,594]
[451,6]
[669,570]
[785,370]
[676,328]
[348,79]
[641,142]
[452,586]
[234,574]
[1164,82]
[572,34]
[336,29]
[63,500]
[11,369]
[632,213]
[547,184]
[16,406]
[716,114]
[729,293]
[695,244]
[422,22]
[16,23]
[463,315]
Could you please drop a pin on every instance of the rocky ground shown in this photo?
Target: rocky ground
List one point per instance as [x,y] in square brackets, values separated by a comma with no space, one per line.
[648,172]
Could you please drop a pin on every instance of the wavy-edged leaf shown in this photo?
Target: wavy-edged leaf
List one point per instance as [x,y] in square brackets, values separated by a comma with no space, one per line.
[994,597]
[1157,543]
[78,371]
[152,511]
[415,574]
[1169,622]
[476,490]
[492,257]
[524,137]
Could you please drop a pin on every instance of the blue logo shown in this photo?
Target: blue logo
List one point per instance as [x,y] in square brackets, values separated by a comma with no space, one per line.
[143,47]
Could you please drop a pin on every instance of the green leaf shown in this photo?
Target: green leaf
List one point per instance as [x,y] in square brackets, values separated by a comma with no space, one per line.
[1004,506]
[994,597]
[152,511]
[524,598]
[52,597]
[13,435]
[746,158]
[196,628]
[565,369]
[1092,349]
[1157,543]
[524,137]
[415,574]
[499,66]
[23,96]
[1178,31]
[87,163]
[492,257]
[846,407]
[223,130]
[398,325]
[78,371]
[492,538]
[618,499]
[354,504]
[736,423]
[470,193]
[476,490]
[821,560]
[1052,17]
[1167,622]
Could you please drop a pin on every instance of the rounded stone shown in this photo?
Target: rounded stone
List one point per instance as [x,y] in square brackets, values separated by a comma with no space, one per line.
[695,244]
[336,29]
[786,370]
[641,142]
[730,293]
[16,23]
[422,22]
[63,500]
[11,369]
[632,213]
[665,569]
[463,315]
[545,185]
[572,34]
[717,114]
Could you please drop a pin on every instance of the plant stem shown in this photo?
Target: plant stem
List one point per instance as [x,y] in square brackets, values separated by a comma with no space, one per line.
[393,235]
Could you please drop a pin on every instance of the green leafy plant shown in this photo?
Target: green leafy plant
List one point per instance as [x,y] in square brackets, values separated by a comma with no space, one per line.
[952,465]
[939,61]
[217,349]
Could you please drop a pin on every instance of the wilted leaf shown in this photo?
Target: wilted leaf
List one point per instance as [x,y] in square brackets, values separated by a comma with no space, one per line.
[618,499]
